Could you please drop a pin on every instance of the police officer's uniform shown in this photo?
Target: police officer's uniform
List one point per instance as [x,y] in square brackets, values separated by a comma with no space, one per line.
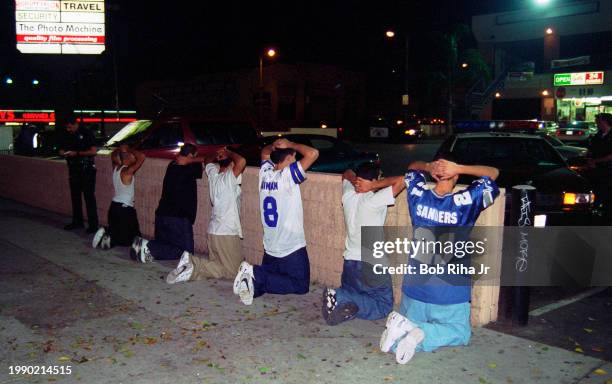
[601,176]
[82,176]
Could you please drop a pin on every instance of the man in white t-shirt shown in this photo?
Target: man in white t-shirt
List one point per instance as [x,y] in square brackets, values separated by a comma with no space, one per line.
[285,267]
[363,293]
[224,171]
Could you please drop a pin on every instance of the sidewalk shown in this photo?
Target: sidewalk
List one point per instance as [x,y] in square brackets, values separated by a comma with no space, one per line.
[115,321]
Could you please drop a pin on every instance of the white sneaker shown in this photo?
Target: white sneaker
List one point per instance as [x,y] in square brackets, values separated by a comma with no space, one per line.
[105,243]
[245,267]
[144,256]
[397,327]
[407,346]
[135,248]
[98,237]
[183,270]
[246,289]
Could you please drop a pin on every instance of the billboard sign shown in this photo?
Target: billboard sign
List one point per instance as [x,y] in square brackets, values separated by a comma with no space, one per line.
[60,26]
[579,78]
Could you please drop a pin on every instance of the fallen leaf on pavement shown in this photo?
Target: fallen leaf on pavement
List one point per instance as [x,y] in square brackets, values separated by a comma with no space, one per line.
[63,358]
[579,350]
[600,372]
[137,326]
[588,330]
[492,365]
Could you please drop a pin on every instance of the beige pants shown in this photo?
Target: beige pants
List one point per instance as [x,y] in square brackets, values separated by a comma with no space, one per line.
[224,258]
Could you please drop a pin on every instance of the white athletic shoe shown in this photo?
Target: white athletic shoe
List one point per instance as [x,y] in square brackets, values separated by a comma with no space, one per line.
[135,248]
[105,243]
[407,346]
[144,256]
[98,237]
[246,289]
[397,327]
[183,270]
[245,267]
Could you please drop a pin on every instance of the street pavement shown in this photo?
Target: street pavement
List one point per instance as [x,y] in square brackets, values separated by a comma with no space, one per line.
[115,321]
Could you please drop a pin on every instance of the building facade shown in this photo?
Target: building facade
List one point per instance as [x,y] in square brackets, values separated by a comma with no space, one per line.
[279,97]
[550,62]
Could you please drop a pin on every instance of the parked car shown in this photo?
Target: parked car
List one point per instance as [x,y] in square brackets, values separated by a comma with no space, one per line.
[163,138]
[549,127]
[565,197]
[381,128]
[575,132]
[335,156]
[566,151]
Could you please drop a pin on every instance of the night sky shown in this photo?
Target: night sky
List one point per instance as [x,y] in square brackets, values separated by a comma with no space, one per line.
[155,40]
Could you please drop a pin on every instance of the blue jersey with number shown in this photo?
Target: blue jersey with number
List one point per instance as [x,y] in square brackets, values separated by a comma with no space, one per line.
[459,210]
[281,209]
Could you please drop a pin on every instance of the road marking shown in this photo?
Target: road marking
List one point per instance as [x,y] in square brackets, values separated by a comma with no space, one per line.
[562,303]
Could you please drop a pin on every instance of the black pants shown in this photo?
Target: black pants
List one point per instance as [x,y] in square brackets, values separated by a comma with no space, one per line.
[83,181]
[173,236]
[122,224]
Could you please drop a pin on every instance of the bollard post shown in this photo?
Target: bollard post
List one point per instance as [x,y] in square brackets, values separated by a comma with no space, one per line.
[522,215]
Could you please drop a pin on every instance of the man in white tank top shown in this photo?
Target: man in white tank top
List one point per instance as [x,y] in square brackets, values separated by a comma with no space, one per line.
[122,220]
[224,172]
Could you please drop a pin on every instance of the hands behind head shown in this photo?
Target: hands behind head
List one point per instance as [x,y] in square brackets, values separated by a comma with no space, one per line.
[443,170]
[281,144]
[363,185]
[222,153]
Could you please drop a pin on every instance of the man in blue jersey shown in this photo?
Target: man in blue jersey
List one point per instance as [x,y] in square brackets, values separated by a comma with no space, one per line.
[434,314]
[285,268]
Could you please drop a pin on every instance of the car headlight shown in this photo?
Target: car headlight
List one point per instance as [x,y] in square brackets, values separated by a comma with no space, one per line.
[410,132]
[570,198]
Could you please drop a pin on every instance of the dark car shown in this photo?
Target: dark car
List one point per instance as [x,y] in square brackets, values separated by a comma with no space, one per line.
[163,138]
[566,151]
[578,132]
[565,197]
[380,128]
[335,156]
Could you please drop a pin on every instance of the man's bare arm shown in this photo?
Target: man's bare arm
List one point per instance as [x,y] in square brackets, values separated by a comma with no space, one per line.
[239,162]
[396,183]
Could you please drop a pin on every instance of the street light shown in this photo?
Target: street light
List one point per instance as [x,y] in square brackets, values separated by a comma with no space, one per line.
[8,81]
[549,31]
[390,34]
[545,92]
[542,3]
[464,65]
[497,95]
[35,82]
[270,53]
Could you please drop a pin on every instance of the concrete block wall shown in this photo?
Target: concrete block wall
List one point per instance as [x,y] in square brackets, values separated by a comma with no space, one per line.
[44,184]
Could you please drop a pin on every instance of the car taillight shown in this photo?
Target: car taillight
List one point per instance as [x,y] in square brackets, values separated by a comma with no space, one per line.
[558,132]
[570,198]
[580,133]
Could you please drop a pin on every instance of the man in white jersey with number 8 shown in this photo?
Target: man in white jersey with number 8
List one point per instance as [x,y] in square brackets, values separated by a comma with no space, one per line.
[285,268]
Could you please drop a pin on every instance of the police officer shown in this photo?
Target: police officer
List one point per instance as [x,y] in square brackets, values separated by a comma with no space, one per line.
[78,147]
[600,163]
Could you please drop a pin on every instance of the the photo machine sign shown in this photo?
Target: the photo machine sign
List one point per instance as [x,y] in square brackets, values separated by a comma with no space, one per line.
[60,27]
